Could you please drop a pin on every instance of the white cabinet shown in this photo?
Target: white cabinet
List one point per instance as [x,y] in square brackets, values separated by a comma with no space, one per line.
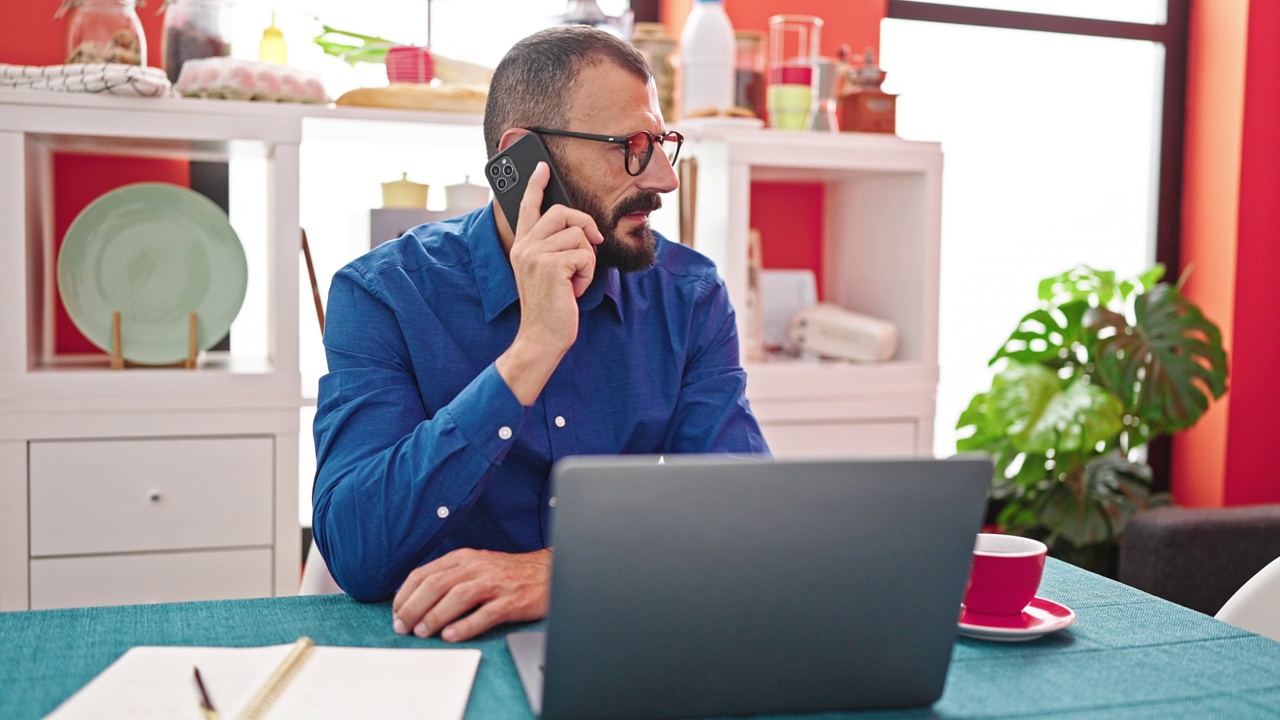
[149,578]
[147,484]
[117,496]
[882,199]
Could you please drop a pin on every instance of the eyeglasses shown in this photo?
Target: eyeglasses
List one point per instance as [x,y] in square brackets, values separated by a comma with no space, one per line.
[639,145]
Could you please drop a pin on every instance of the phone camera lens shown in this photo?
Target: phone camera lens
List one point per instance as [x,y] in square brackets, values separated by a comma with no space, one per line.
[507,170]
[493,170]
[502,184]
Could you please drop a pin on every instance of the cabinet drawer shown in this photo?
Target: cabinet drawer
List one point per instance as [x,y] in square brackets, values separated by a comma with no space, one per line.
[106,496]
[150,578]
[841,439]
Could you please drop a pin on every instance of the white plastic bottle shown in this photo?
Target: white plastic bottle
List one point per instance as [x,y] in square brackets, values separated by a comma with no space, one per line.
[707,56]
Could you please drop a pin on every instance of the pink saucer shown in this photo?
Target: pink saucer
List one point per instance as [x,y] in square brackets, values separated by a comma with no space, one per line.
[1039,618]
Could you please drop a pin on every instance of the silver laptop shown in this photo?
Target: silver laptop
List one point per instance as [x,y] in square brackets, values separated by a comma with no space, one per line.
[711,586]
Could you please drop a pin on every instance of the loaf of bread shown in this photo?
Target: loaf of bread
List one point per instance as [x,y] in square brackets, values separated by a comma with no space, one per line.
[733,112]
[415,96]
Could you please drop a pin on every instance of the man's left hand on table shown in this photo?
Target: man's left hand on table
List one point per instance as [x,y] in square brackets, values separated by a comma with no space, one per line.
[493,587]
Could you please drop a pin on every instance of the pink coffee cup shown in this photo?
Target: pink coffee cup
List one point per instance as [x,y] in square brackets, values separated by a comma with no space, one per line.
[1005,574]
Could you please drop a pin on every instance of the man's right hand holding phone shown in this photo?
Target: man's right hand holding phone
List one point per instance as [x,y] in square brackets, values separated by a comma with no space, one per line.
[553,257]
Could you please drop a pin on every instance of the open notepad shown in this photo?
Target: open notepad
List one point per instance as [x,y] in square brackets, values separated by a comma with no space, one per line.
[328,682]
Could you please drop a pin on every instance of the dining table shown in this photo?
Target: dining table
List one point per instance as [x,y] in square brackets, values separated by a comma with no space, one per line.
[1127,655]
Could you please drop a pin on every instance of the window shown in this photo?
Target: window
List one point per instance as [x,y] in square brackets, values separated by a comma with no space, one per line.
[1060,148]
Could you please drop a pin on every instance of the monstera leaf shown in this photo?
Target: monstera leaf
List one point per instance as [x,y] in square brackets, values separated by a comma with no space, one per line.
[1093,503]
[1016,473]
[1041,412]
[1037,426]
[1055,337]
[1167,365]
[1097,288]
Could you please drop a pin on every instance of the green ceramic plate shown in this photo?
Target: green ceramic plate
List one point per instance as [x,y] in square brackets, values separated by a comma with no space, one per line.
[156,253]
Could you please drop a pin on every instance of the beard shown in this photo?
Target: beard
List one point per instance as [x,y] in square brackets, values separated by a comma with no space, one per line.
[634,250]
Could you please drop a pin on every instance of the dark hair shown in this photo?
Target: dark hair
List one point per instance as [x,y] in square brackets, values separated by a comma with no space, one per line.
[532,85]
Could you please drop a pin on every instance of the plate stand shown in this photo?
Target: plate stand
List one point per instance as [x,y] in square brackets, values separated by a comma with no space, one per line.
[117,358]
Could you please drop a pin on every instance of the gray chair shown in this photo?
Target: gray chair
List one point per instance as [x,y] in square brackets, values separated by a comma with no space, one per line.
[1198,557]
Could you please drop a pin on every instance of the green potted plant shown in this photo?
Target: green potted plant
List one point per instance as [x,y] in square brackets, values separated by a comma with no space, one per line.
[1086,380]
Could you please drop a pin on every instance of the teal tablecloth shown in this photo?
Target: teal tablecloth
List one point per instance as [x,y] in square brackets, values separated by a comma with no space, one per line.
[1129,655]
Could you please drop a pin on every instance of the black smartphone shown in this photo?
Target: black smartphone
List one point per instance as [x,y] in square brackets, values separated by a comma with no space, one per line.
[508,173]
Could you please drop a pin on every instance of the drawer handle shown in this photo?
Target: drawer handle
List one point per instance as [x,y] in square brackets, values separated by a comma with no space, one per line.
[154,496]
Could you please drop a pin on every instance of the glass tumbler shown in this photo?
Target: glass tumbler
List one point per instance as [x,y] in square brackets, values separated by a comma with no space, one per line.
[794,42]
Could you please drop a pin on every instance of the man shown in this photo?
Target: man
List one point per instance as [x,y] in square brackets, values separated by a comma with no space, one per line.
[467,356]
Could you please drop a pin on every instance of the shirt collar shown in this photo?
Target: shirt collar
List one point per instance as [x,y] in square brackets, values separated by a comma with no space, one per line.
[497,283]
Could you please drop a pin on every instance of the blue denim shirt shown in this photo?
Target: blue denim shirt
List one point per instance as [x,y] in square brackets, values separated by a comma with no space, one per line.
[421,448]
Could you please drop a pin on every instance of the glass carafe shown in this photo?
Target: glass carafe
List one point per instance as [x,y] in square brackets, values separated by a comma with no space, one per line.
[104,31]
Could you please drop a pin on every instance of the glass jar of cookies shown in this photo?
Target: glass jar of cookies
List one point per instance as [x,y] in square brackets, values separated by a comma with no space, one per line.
[104,31]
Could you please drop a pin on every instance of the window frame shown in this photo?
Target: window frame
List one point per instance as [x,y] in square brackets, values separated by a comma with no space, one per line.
[1173,35]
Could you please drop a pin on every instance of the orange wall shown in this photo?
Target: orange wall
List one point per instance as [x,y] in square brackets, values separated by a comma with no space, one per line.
[1211,198]
[1229,222]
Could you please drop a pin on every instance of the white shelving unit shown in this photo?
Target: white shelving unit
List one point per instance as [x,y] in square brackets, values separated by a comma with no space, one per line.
[147,485]
[165,484]
[880,253]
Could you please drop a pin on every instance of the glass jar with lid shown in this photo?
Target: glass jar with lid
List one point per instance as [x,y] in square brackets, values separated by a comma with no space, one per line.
[104,31]
[194,29]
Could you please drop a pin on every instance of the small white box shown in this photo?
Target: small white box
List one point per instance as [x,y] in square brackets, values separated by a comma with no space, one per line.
[782,294]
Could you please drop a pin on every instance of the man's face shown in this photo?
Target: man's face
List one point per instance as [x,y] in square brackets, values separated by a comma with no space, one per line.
[611,101]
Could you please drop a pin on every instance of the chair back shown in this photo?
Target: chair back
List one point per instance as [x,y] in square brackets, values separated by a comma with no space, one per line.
[316,579]
[1256,606]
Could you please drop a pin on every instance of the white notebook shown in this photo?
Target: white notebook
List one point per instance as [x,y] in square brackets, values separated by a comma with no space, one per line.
[313,682]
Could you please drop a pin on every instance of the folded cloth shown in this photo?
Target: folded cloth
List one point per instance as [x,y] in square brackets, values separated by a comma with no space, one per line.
[110,78]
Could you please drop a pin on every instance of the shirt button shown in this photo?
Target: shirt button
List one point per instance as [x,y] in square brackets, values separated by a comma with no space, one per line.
[559,421]
[442,512]
[551,502]
[504,432]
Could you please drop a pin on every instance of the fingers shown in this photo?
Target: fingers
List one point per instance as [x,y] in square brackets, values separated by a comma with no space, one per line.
[567,238]
[420,574]
[486,617]
[487,588]
[460,600]
[570,251]
[557,218]
[584,264]
[413,611]
[531,203]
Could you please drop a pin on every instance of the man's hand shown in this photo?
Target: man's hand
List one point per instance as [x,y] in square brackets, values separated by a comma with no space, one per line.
[553,258]
[495,587]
